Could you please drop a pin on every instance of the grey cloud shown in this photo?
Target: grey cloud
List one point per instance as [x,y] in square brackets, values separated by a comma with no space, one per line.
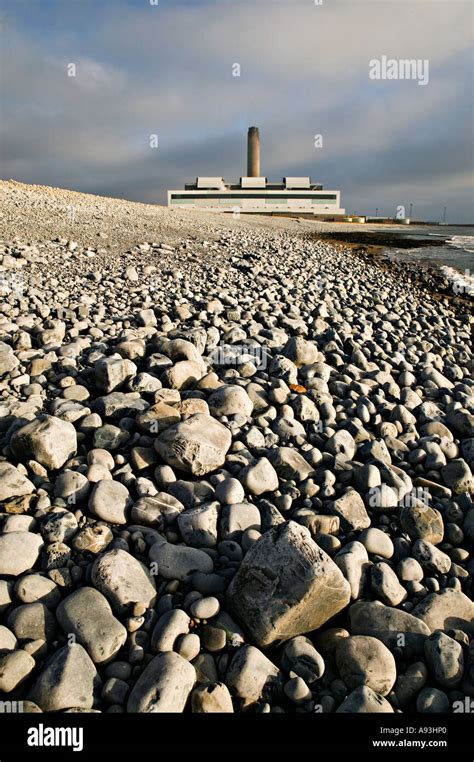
[166,70]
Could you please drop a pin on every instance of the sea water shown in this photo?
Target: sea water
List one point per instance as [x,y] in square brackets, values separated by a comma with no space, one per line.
[454,257]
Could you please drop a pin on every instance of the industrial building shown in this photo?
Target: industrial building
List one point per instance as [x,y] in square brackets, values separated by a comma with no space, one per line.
[254,194]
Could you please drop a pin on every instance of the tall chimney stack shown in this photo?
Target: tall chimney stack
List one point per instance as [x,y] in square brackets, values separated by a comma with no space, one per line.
[253,152]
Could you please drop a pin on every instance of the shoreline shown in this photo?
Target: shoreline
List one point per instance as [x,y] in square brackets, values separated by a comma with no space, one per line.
[382,239]
[428,275]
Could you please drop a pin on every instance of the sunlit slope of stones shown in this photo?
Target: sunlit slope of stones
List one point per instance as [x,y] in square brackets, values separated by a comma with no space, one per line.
[236,470]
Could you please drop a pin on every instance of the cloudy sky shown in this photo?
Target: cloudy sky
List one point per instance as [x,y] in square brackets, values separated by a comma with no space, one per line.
[166,69]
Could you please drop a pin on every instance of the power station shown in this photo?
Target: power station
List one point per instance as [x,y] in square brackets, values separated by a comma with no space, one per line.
[255,195]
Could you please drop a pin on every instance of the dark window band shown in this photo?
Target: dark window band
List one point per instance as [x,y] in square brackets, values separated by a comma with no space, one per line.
[283,197]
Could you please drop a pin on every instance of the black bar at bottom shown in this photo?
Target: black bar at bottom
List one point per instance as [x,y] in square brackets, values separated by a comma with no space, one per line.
[91,736]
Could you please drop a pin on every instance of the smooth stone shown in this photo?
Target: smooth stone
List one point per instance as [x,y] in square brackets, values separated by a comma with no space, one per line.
[300,351]
[249,537]
[462,421]
[385,584]
[209,584]
[34,588]
[188,646]
[8,360]
[13,483]
[238,518]
[198,526]
[169,627]
[410,570]
[382,499]
[115,691]
[285,586]
[183,375]
[458,476]
[179,561]
[143,457]
[8,641]
[366,477]
[18,523]
[445,659]
[353,561]
[431,558]
[191,493]
[421,522]
[147,317]
[122,670]
[110,501]
[206,670]
[197,445]
[213,638]
[289,464]
[157,511]
[15,667]
[123,580]
[101,457]
[251,675]
[259,477]
[386,624]
[111,372]
[86,614]
[364,660]
[410,683]
[235,635]
[377,542]
[32,621]
[351,511]
[449,609]
[432,701]
[296,690]
[300,656]
[110,437]
[72,486]
[205,608]
[328,640]
[29,707]
[163,686]
[131,274]
[342,444]
[468,525]
[230,400]
[6,595]
[67,680]
[19,551]
[364,700]
[319,523]
[97,473]
[211,698]
[230,491]
[48,440]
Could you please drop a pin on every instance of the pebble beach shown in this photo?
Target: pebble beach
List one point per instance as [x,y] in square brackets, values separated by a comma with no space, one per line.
[235,466]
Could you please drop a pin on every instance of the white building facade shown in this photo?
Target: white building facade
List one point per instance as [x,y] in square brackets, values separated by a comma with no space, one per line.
[256,196]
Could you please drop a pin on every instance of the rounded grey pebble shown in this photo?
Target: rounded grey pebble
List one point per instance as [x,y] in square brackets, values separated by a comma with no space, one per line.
[205,608]
[188,646]
[297,690]
[432,701]
[119,669]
